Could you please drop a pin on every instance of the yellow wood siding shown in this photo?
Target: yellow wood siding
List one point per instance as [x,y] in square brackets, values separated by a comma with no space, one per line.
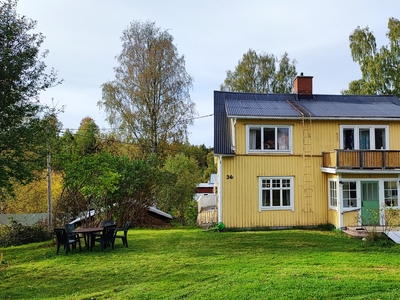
[333,217]
[350,218]
[240,194]
[325,134]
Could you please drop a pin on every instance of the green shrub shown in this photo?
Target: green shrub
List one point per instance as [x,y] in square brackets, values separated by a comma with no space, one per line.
[191,213]
[327,227]
[16,234]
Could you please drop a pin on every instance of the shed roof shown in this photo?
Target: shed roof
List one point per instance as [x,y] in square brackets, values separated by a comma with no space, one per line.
[293,106]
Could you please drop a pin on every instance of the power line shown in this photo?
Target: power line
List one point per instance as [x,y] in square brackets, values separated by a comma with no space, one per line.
[109,129]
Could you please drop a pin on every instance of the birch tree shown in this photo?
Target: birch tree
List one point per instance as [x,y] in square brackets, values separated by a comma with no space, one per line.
[149,98]
[378,66]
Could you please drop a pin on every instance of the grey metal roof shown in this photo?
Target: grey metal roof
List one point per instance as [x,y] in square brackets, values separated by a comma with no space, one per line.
[352,106]
[253,105]
[260,108]
[222,138]
[319,106]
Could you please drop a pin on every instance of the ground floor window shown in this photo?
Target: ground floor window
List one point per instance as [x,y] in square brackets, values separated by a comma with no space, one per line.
[391,197]
[354,192]
[349,190]
[276,193]
[333,194]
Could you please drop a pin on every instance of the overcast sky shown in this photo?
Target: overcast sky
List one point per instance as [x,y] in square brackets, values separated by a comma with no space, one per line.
[83,37]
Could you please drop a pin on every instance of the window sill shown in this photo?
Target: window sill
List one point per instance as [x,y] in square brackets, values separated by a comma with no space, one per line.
[350,209]
[269,152]
[276,208]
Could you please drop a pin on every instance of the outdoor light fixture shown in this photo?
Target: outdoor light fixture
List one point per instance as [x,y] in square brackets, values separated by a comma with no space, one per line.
[341,182]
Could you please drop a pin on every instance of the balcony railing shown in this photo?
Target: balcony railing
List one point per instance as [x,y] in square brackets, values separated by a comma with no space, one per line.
[362,159]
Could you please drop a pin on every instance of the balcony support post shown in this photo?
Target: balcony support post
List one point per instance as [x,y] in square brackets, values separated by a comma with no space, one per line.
[361,153]
[337,159]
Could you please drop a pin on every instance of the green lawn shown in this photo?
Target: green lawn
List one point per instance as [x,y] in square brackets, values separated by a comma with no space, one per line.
[194,264]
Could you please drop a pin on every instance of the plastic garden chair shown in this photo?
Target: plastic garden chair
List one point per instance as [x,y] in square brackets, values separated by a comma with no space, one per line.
[123,237]
[69,228]
[65,240]
[107,237]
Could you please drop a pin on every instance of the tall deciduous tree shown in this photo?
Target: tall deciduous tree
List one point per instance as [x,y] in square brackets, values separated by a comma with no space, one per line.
[22,77]
[379,67]
[149,97]
[258,73]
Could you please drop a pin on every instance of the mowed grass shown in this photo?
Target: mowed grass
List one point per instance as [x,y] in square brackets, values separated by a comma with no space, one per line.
[195,264]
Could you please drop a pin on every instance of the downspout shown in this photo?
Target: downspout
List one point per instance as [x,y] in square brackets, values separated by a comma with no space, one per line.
[340,196]
[220,189]
[233,134]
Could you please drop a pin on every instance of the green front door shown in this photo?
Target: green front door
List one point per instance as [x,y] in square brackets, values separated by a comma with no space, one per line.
[370,214]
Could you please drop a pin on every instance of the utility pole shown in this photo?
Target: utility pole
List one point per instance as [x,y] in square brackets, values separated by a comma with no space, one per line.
[49,196]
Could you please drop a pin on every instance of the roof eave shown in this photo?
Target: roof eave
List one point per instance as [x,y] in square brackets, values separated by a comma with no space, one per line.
[315,118]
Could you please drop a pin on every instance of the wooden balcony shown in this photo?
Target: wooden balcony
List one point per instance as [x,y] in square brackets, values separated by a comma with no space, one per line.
[362,159]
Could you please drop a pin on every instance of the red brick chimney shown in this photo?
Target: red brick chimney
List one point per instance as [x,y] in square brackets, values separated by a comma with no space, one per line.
[302,85]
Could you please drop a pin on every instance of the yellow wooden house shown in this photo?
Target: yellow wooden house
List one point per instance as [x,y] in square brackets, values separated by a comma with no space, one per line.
[303,159]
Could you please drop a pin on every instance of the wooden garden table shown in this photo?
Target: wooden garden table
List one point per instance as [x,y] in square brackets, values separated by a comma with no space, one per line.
[88,235]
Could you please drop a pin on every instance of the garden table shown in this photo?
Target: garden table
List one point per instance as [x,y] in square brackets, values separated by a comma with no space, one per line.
[88,234]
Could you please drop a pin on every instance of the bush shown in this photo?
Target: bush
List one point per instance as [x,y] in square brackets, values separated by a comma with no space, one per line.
[16,234]
[327,227]
[191,213]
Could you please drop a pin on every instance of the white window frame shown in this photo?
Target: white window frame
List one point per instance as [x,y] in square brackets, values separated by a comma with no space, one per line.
[333,192]
[394,193]
[266,150]
[281,189]
[371,129]
[357,198]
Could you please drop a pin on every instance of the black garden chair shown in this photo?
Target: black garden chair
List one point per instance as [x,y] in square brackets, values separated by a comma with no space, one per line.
[123,236]
[69,228]
[107,237]
[65,240]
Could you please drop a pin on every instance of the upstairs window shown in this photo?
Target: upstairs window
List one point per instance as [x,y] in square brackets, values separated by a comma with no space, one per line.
[268,138]
[364,137]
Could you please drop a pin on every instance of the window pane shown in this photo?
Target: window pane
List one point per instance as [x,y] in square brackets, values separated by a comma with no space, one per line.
[286,197]
[283,138]
[364,138]
[255,139]
[380,142]
[266,198]
[391,194]
[276,201]
[269,138]
[348,138]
